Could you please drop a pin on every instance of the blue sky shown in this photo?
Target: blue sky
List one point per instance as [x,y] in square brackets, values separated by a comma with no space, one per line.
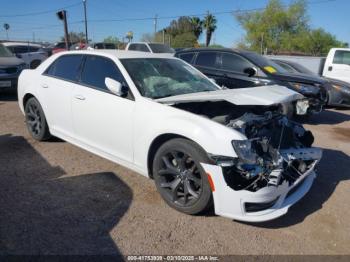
[332,15]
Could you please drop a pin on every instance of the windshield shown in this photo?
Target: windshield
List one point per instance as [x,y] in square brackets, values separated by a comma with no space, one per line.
[265,64]
[4,52]
[162,77]
[160,48]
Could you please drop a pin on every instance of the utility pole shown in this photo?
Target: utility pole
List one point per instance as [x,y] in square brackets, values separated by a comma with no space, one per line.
[62,15]
[262,44]
[155,24]
[7,27]
[163,36]
[86,30]
[34,37]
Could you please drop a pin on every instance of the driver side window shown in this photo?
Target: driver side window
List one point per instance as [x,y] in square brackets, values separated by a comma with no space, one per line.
[96,69]
[233,62]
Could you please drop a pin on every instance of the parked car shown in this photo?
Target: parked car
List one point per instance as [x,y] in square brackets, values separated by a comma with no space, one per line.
[335,66]
[149,47]
[32,54]
[60,47]
[104,46]
[161,117]
[10,68]
[239,69]
[79,46]
[338,92]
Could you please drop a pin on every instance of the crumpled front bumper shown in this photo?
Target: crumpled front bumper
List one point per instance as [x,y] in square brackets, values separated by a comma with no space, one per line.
[233,204]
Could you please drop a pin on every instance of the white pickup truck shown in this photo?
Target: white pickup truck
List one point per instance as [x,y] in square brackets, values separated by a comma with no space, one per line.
[336,65]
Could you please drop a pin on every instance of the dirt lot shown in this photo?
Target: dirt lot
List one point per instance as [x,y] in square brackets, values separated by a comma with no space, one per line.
[58,199]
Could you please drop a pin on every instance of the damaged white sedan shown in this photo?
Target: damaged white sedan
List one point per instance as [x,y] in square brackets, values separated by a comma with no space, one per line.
[159,116]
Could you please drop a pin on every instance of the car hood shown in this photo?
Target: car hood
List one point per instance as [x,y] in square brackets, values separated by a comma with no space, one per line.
[300,78]
[338,82]
[10,61]
[264,95]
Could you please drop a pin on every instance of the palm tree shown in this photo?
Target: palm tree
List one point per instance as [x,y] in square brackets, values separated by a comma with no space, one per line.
[209,23]
[197,25]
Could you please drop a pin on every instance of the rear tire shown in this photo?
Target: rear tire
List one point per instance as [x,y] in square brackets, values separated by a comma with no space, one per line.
[36,121]
[180,178]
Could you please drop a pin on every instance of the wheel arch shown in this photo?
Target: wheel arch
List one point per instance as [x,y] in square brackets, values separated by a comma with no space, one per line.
[157,143]
[35,63]
[26,98]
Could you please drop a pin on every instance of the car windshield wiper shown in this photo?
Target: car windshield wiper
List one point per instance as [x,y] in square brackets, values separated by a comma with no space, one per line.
[159,97]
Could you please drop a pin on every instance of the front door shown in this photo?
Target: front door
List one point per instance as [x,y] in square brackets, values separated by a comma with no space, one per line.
[101,119]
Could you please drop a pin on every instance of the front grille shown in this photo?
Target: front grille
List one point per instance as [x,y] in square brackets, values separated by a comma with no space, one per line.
[9,70]
[255,207]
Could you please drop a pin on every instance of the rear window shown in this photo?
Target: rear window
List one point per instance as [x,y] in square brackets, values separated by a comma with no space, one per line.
[110,46]
[138,47]
[341,57]
[66,67]
[161,48]
[99,46]
[188,57]
[208,59]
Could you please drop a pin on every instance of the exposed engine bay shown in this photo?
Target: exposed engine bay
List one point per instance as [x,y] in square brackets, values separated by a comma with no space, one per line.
[277,151]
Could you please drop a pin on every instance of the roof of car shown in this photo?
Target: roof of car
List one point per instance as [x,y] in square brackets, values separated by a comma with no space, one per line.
[20,43]
[120,53]
[203,49]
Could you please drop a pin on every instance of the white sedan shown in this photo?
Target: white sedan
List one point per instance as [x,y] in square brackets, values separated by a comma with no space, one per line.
[159,116]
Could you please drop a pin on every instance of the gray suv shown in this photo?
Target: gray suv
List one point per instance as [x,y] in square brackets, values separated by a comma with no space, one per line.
[10,68]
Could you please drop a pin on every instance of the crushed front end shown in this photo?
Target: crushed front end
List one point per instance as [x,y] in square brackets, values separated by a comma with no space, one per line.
[273,170]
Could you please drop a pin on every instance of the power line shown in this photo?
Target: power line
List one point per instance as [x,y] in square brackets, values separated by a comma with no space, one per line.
[199,14]
[42,12]
[143,18]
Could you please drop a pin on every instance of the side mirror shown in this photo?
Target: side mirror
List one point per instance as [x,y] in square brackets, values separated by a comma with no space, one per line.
[116,87]
[250,71]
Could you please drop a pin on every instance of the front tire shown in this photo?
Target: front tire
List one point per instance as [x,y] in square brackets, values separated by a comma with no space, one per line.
[180,178]
[36,121]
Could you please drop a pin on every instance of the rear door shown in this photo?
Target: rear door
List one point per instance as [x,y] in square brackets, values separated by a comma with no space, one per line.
[56,85]
[101,119]
[208,62]
[337,65]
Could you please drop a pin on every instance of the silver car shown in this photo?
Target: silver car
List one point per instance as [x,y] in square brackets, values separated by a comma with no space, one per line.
[10,68]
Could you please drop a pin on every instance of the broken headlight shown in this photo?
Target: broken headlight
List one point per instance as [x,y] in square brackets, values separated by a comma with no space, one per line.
[244,151]
[305,88]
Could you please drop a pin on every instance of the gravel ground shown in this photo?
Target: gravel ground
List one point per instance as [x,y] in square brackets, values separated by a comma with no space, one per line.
[58,199]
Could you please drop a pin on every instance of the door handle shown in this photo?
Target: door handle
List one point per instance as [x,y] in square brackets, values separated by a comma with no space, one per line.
[330,68]
[44,86]
[79,97]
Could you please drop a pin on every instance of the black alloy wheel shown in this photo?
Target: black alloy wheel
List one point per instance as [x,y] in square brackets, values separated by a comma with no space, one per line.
[180,178]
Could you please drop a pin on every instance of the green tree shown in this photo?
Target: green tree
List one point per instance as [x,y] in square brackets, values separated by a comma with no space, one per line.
[209,24]
[197,26]
[75,37]
[184,40]
[318,42]
[283,28]
[180,26]
[274,26]
[112,40]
